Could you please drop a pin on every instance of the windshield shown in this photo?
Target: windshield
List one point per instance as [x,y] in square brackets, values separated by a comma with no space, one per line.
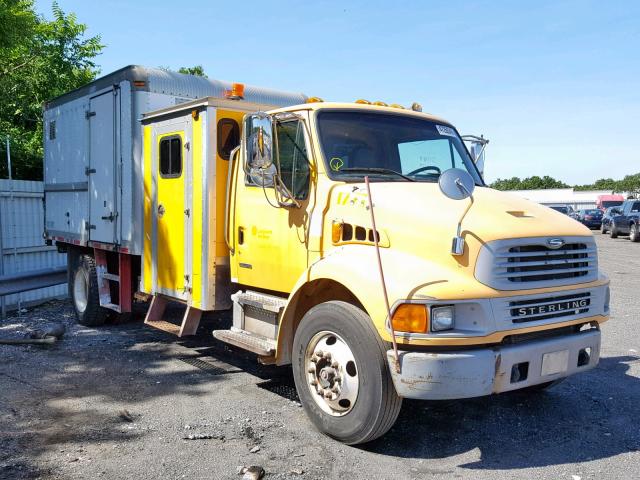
[611,203]
[414,147]
[592,212]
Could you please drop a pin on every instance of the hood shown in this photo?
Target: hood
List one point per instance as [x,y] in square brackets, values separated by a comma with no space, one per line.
[418,219]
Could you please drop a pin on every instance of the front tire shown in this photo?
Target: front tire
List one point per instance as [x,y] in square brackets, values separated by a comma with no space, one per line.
[341,374]
[84,293]
[634,235]
[603,229]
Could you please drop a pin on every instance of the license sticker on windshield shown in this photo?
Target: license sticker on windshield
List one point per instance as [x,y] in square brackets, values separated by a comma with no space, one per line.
[444,130]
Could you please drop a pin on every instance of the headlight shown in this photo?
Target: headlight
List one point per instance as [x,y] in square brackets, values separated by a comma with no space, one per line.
[442,318]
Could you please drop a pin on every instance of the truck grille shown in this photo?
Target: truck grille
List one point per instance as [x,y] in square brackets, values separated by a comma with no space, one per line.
[537,263]
[531,263]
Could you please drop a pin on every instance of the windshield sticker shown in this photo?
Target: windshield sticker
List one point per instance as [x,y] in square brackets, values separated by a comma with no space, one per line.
[444,130]
[336,164]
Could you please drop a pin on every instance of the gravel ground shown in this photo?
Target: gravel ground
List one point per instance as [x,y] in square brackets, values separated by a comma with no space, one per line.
[122,401]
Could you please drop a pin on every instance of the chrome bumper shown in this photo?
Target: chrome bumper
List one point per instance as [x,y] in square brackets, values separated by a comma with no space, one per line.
[474,373]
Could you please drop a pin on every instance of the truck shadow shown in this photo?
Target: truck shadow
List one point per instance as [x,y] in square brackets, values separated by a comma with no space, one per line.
[587,417]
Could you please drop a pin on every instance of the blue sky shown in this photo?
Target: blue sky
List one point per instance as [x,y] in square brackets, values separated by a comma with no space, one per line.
[554,85]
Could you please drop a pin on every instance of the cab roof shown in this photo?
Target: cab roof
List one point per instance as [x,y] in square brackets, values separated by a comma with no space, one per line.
[318,106]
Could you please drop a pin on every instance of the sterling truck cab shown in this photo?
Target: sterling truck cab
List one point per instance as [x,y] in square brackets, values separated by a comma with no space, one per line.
[355,241]
[487,292]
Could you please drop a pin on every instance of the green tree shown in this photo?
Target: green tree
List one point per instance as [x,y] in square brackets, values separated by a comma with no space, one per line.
[196,70]
[39,60]
[530,183]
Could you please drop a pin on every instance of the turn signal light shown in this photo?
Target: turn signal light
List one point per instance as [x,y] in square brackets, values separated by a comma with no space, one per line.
[411,317]
[336,232]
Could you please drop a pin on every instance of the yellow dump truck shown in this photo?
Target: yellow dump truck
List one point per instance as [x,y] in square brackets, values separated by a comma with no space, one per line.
[356,241]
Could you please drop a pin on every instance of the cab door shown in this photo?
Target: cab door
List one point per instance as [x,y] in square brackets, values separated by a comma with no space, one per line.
[172,215]
[270,240]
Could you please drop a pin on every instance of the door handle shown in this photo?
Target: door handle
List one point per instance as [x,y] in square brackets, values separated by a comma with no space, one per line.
[161,210]
[240,235]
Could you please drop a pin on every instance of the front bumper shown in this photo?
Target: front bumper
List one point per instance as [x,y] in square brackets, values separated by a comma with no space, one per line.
[474,373]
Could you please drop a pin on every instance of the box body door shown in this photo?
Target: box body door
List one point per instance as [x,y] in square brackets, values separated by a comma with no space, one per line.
[102,170]
[172,212]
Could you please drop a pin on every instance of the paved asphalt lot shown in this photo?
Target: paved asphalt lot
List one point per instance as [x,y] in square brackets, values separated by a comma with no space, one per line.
[61,410]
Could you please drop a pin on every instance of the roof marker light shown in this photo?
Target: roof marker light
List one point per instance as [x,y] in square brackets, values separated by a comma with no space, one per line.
[396,105]
[362,101]
[314,100]
[380,104]
[416,107]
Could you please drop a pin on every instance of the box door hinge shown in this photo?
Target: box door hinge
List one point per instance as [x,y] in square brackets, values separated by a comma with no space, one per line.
[88,171]
[88,114]
[89,226]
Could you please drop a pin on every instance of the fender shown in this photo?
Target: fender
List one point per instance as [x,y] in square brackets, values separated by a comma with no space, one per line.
[352,273]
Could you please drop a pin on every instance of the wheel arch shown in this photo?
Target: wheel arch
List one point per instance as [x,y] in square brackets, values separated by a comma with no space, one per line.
[308,295]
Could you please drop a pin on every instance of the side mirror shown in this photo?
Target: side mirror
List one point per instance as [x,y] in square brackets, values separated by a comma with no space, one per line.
[457,184]
[259,141]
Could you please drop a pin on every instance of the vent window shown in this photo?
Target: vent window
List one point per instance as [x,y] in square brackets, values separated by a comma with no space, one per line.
[52,130]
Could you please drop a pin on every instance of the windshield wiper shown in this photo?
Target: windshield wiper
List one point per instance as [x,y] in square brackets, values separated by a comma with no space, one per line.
[384,171]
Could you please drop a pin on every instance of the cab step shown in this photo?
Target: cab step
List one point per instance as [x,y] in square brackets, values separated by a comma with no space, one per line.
[258,344]
[262,301]
[257,313]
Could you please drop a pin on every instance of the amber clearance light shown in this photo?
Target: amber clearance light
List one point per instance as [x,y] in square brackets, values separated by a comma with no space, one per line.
[411,317]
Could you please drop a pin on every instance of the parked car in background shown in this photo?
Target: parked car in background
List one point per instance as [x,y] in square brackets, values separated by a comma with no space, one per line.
[607,217]
[606,201]
[628,222]
[590,217]
[566,209]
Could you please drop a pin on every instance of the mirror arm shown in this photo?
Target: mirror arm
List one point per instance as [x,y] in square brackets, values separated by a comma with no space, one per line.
[294,201]
[457,245]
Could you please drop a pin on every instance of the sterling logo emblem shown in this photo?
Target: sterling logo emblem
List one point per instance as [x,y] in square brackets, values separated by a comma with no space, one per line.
[555,243]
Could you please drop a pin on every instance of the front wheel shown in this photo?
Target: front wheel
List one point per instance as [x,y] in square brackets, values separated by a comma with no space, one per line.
[603,229]
[613,233]
[634,235]
[341,374]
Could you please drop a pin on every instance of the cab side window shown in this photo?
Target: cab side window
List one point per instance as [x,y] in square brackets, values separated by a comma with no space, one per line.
[293,162]
[171,157]
[228,137]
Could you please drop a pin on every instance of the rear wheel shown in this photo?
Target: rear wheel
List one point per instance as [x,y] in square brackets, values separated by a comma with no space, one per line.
[341,374]
[84,293]
[634,235]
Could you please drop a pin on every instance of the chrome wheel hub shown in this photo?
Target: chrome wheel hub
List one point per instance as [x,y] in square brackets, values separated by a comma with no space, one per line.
[332,374]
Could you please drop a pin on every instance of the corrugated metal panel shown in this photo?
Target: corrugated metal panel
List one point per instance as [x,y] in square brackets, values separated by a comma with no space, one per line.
[22,223]
[191,86]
